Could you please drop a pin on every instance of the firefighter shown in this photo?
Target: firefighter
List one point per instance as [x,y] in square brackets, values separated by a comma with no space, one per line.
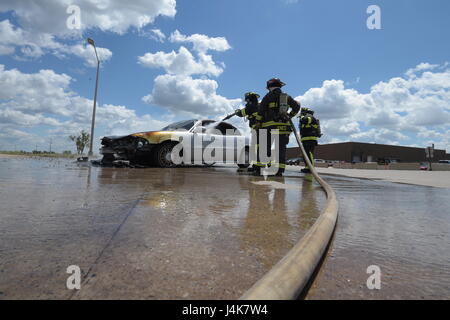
[310,132]
[274,110]
[250,112]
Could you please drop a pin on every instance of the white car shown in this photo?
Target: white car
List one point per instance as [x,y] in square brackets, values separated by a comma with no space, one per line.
[200,139]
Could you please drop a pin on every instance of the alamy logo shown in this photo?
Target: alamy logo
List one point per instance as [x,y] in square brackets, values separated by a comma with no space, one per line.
[374,20]
[74,280]
[374,280]
[210,148]
[74,20]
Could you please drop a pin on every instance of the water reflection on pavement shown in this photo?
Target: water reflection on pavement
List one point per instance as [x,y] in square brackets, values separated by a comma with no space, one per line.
[184,233]
[403,229]
[209,233]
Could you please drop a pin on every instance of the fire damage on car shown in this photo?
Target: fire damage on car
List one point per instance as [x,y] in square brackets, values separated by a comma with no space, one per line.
[154,148]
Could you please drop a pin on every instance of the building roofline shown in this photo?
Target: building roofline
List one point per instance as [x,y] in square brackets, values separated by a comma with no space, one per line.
[376,144]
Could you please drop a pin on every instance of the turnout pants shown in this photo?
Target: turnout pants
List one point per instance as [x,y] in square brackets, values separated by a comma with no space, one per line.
[309,148]
[281,146]
[254,147]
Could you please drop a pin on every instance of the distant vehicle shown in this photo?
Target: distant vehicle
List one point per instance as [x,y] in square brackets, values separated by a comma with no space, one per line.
[382,161]
[332,162]
[294,161]
[424,166]
[444,161]
[319,161]
[154,148]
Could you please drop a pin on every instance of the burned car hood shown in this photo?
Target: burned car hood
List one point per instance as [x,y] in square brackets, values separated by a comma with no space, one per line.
[157,136]
[114,137]
[153,137]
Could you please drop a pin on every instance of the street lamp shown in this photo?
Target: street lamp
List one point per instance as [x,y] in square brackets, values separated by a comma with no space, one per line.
[91,42]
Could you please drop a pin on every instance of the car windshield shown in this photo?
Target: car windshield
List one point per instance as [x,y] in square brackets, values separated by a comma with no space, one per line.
[185,125]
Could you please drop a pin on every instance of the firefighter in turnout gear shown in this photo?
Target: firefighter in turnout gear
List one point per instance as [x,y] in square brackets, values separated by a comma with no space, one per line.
[250,112]
[310,132]
[274,110]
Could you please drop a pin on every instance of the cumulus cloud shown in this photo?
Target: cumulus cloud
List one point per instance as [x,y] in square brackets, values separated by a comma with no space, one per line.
[201,43]
[86,52]
[50,16]
[384,136]
[44,98]
[157,35]
[333,101]
[192,96]
[392,111]
[181,62]
[177,90]
[33,45]
[411,73]
[43,25]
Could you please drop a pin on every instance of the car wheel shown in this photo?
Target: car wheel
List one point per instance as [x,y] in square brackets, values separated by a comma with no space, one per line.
[163,155]
[247,160]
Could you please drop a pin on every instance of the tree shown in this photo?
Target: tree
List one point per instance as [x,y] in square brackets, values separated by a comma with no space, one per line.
[81,141]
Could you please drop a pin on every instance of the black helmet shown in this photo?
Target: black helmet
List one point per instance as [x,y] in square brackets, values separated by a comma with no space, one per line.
[275,83]
[250,95]
[305,110]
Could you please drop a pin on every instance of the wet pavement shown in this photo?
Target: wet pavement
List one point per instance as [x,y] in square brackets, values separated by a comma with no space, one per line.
[402,229]
[209,233]
[182,233]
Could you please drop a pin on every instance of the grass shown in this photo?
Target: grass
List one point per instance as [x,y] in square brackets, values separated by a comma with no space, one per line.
[43,154]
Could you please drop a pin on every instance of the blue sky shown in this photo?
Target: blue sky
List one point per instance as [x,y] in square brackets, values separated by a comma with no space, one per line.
[356,79]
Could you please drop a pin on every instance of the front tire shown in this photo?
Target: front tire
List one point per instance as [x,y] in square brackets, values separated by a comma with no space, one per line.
[162,155]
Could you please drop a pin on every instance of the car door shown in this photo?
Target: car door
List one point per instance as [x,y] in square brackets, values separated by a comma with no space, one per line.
[234,143]
[202,136]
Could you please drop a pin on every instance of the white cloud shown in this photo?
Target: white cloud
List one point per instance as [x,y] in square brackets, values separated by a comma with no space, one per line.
[184,94]
[44,91]
[391,112]
[44,99]
[6,50]
[86,52]
[333,101]
[43,25]
[201,42]
[177,90]
[339,128]
[157,35]
[382,136]
[411,73]
[50,16]
[36,45]
[30,44]
[182,63]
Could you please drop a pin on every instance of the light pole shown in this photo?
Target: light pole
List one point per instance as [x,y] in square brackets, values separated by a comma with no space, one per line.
[91,42]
